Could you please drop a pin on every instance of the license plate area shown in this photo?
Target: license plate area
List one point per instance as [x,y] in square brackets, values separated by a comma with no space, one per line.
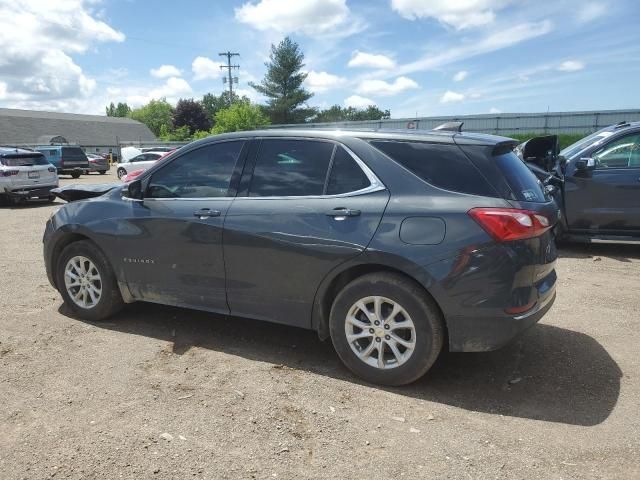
[33,174]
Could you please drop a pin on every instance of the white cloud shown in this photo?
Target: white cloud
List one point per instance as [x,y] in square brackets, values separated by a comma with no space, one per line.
[362,59]
[381,87]
[497,40]
[592,11]
[356,101]
[310,17]
[320,82]
[460,76]
[36,49]
[571,66]
[172,90]
[452,97]
[164,71]
[205,68]
[459,14]
[494,110]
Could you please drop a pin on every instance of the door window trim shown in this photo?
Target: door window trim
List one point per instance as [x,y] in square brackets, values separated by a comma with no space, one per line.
[603,147]
[237,170]
[375,185]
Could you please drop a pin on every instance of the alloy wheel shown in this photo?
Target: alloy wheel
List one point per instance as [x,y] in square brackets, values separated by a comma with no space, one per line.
[83,282]
[380,332]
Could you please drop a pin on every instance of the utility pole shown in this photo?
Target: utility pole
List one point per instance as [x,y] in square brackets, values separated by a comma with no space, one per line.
[229,68]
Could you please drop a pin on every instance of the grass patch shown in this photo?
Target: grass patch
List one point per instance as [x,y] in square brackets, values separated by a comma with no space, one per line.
[565,139]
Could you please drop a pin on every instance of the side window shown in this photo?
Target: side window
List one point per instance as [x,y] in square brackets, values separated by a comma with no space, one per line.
[52,153]
[287,168]
[444,166]
[346,175]
[202,173]
[621,153]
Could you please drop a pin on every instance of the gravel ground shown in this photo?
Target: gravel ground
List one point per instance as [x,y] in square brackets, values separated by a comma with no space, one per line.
[168,393]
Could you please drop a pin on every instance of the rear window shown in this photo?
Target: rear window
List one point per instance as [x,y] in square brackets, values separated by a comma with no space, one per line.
[73,153]
[444,166]
[23,160]
[524,184]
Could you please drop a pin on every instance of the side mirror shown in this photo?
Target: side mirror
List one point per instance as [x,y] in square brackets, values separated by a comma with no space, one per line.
[585,164]
[133,190]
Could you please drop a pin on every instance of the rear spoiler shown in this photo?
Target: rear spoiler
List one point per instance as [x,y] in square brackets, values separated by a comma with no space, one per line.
[504,147]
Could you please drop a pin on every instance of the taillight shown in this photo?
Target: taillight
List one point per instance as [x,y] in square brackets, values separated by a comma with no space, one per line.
[9,173]
[507,224]
[52,169]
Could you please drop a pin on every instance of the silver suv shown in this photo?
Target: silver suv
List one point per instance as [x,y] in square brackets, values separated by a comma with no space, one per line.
[25,174]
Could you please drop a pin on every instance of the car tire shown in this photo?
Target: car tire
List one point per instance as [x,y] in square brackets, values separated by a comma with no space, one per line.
[75,174]
[102,172]
[424,334]
[121,173]
[87,306]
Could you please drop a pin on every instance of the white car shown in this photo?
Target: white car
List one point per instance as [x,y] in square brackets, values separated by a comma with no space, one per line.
[139,162]
[25,174]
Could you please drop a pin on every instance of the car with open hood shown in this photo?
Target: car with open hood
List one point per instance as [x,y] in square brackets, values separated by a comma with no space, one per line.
[596,181]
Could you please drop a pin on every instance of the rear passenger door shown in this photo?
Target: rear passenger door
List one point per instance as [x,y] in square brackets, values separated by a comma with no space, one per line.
[305,206]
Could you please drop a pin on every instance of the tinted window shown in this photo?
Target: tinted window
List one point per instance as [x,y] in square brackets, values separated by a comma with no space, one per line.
[444,166]
[202,173]
[524,184]
[286,168]
[621,153]
[23,160]
[73,153]
[346,175]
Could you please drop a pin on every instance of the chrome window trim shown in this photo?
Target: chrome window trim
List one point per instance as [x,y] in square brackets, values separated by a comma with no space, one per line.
[375,184]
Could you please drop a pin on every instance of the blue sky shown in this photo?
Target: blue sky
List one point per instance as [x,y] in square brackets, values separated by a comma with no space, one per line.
[424,57]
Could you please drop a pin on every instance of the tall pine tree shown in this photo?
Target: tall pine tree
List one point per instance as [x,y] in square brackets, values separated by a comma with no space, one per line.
[282,84]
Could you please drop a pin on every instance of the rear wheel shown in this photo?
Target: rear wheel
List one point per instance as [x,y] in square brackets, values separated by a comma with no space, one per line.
[75,174]
[87,282]
[121,173]
[386,329]
[102,172]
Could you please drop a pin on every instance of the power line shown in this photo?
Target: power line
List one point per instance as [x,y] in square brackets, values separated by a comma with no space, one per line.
[229,68]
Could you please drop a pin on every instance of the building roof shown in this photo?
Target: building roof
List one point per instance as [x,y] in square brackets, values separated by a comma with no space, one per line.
[28,126]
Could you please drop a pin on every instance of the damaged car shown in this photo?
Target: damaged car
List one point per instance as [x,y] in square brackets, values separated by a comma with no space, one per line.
[395,245]
[596,182]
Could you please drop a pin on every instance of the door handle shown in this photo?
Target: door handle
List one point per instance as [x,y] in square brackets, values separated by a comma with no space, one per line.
[206,213]
[343,213]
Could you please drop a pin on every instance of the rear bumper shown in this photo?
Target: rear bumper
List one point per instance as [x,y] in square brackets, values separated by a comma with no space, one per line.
[30,192]
[486,334]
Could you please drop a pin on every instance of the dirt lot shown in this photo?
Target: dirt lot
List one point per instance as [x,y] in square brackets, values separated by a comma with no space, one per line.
[167,393]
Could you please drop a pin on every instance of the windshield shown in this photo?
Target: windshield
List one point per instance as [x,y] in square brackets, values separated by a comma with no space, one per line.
[23,160]
[586,142]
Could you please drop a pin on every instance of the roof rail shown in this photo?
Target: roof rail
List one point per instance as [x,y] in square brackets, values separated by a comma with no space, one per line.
[450,127]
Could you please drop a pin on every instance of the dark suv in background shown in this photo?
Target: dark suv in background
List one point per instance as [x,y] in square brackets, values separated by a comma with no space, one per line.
[392,244]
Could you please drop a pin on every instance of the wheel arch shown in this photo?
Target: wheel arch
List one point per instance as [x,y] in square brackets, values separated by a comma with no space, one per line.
[68,237]
[337,280]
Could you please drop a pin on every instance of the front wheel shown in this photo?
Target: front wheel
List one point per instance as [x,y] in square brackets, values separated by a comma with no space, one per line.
[121,173]
[87,282]
[75,174]
[102,172]
[386,329]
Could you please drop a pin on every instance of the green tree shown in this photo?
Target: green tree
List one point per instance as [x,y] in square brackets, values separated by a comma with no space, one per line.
[239,117]
[121,110]
[282,84]
[190,114]
[214,103]
[336,113]
[155,115]
[180,134]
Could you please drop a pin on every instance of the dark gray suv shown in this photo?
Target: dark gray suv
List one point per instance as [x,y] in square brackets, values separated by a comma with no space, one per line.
[394,244]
